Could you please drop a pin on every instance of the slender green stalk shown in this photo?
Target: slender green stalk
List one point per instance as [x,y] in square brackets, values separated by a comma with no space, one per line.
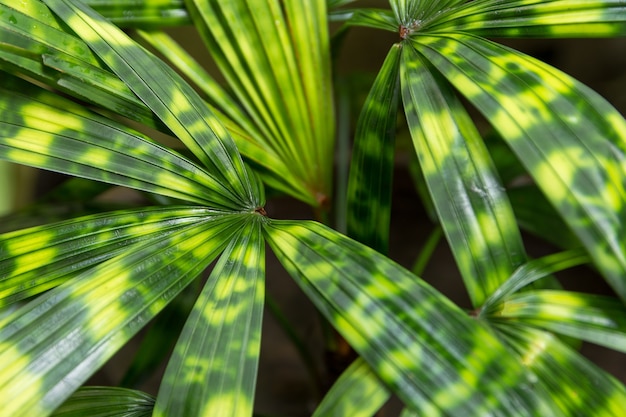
[427,250]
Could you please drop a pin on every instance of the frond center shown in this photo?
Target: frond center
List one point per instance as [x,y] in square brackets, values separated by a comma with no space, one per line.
[406,30]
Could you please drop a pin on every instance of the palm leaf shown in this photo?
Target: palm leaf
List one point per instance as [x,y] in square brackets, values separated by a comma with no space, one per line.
[371,169]
[167,95]
[213,368]
[593,318]
[53,344]
[249,140]
[275,58]
[410,12]
[531,272]
[471,203]
[428,351]
[64,62]
[575,385]
[44,130]
[535,18]
[571,141]
[106,402]
[37,259]
[59,59]
[357,393]
[142,14]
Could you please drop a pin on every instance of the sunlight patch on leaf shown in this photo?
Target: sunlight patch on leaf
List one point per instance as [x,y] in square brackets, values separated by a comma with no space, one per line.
[69,332]
[580,170]
[213,368]
[419,353]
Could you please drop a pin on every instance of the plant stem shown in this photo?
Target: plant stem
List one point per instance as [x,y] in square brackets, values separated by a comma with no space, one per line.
[427,250]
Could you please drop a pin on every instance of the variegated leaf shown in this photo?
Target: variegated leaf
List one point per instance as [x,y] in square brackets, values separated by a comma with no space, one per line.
[535,18]
[470,200]
[166,94]
[36,259]
[575,385]
[593,318]
[50,346]
[106,402]
[357,393]
[371,169]
[429,352]
[276,59]
[47,131]
[213,368]
[571,140]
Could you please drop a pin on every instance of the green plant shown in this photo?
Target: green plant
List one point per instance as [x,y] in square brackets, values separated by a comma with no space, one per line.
[75,291]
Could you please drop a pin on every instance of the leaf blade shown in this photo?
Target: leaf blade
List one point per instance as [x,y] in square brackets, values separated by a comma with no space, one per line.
[280,72]
[352,285]
[53,344]
[537,18]
[214,365]
[357,393]
[45,130]
[371,168]
[471,203]
[166,93]
[557,365]
[580,168]
[42,257]
[593,318]
[106,402]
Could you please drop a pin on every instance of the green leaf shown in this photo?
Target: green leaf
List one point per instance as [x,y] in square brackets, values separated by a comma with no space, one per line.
[143,14]
[429,352]
[50,346]
[39,258]
[407,412]
[536,215]
[371,169]
[337,3]
[275,57]
[30,30]
[373,18]
[46,131]
[357,393]
[35,46]
[412,13]
[471,203]
[249,140]
[530,272]
[160,338]
[213,368]
[35,9]
[167,94]
[570,140]
[106,402]
[593,318]
[67,65]
[576,386]
[183,61]
[535,18]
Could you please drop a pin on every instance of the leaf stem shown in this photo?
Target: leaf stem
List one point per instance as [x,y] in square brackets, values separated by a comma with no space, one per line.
[427,250]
